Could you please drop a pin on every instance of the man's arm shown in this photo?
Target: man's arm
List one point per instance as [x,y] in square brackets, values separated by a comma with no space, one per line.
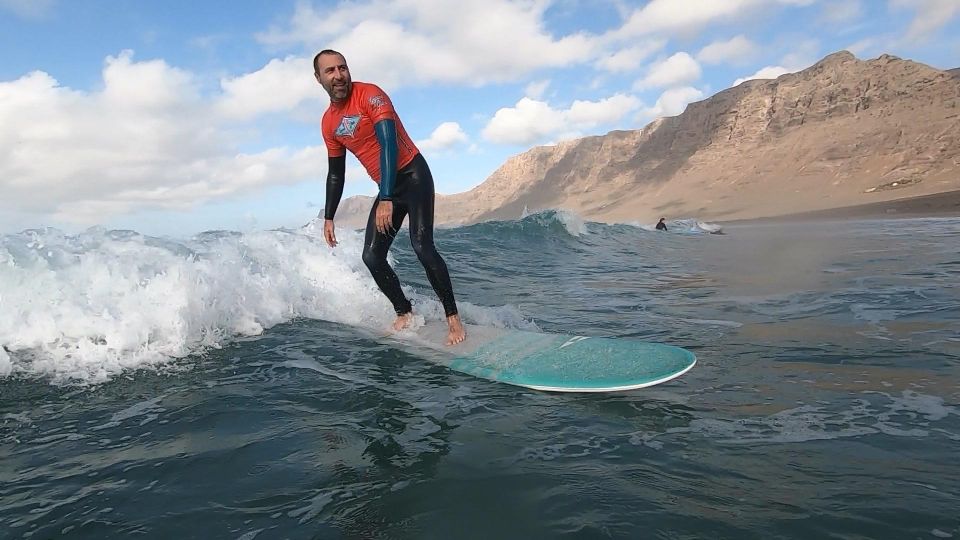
[336,171]
[387,137]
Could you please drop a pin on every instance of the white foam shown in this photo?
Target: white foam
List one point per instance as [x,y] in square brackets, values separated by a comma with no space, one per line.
[686,225]
[692,225]
[914,403]
[6,366]
[711,228]
[85,308]
[572,222]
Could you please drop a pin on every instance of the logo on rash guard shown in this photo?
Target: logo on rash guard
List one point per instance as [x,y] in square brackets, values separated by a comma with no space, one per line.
[377,101]
[348,124]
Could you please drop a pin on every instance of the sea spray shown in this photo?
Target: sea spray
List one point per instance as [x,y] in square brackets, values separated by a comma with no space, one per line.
[86,307]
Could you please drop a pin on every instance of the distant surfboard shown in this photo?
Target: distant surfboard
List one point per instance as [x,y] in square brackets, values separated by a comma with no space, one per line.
[554,362]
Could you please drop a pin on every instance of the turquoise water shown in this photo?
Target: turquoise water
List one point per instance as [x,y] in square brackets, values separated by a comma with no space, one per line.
[226,386]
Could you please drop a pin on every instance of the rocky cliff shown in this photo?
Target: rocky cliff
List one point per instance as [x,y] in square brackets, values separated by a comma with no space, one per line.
[840,133]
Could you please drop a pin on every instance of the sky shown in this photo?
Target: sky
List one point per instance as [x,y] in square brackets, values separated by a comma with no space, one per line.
[175,117]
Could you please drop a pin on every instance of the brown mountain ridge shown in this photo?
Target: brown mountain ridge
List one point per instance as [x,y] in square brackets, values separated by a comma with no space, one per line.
[842,132]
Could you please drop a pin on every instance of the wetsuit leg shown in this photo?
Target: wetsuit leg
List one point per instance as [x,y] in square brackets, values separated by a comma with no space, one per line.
[415,187]
[375,247]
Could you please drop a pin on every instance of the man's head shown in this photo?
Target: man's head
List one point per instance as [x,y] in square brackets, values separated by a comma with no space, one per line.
[331,71]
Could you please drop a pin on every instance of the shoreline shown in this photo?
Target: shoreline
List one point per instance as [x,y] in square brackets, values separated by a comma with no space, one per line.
[946,204]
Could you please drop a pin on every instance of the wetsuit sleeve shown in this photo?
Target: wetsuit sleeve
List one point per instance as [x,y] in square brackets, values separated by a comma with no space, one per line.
[336,171]
[387,137]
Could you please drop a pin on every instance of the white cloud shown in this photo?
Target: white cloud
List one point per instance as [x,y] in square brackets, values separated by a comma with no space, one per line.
[931,16]
[477,42]
[445,136]
[588,114]
[28,9]
[672,102]
[863,47]
[669,15]
[279,86]
[191,183]
[530,121]
[769,72]
[841,11]
[525,123]
[630,58]
[146,140]
[678,70]
[150,85]
[735,50]
[803,54]
[673,16]
[536,89]
[467,42]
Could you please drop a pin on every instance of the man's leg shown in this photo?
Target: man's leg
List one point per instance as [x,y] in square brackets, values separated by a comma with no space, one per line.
[420,199]
[375,248]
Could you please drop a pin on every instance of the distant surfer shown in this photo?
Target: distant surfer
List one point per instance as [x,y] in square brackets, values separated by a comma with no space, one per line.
[361,118]
[661,226]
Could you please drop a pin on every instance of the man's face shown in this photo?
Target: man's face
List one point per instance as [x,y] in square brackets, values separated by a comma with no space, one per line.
[334,76]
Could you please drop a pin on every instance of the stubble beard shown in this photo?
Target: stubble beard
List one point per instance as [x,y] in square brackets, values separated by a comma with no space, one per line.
[340,93]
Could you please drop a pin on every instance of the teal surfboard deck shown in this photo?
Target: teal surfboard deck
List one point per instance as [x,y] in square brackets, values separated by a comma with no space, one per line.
[555,362]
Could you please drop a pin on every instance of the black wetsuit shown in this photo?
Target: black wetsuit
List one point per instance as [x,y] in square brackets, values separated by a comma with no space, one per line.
[413,195]
[661,226]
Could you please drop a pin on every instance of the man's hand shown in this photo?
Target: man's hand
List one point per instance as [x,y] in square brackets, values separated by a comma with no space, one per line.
[328,233]
[384,217]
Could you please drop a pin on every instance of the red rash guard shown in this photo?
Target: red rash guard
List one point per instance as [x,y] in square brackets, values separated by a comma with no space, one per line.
[349,125]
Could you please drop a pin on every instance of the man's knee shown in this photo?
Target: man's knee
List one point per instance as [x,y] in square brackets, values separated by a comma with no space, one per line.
[431,259]
[372,259]
[425,250]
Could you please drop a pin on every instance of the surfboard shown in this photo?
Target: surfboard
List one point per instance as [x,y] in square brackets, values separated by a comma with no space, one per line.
[554,362]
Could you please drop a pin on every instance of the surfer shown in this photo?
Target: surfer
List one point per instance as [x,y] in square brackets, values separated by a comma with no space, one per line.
[361,118]
[661,226]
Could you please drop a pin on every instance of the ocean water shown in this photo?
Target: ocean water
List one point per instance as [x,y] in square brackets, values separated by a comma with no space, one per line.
[228,386]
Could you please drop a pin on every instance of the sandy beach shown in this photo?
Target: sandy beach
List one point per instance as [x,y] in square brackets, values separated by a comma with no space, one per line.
[936,205]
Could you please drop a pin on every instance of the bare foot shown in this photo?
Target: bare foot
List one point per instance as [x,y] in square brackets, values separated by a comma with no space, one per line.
[402,321]
[457,333]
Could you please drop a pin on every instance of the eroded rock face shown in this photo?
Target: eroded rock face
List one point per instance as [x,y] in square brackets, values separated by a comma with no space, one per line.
[839,133]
